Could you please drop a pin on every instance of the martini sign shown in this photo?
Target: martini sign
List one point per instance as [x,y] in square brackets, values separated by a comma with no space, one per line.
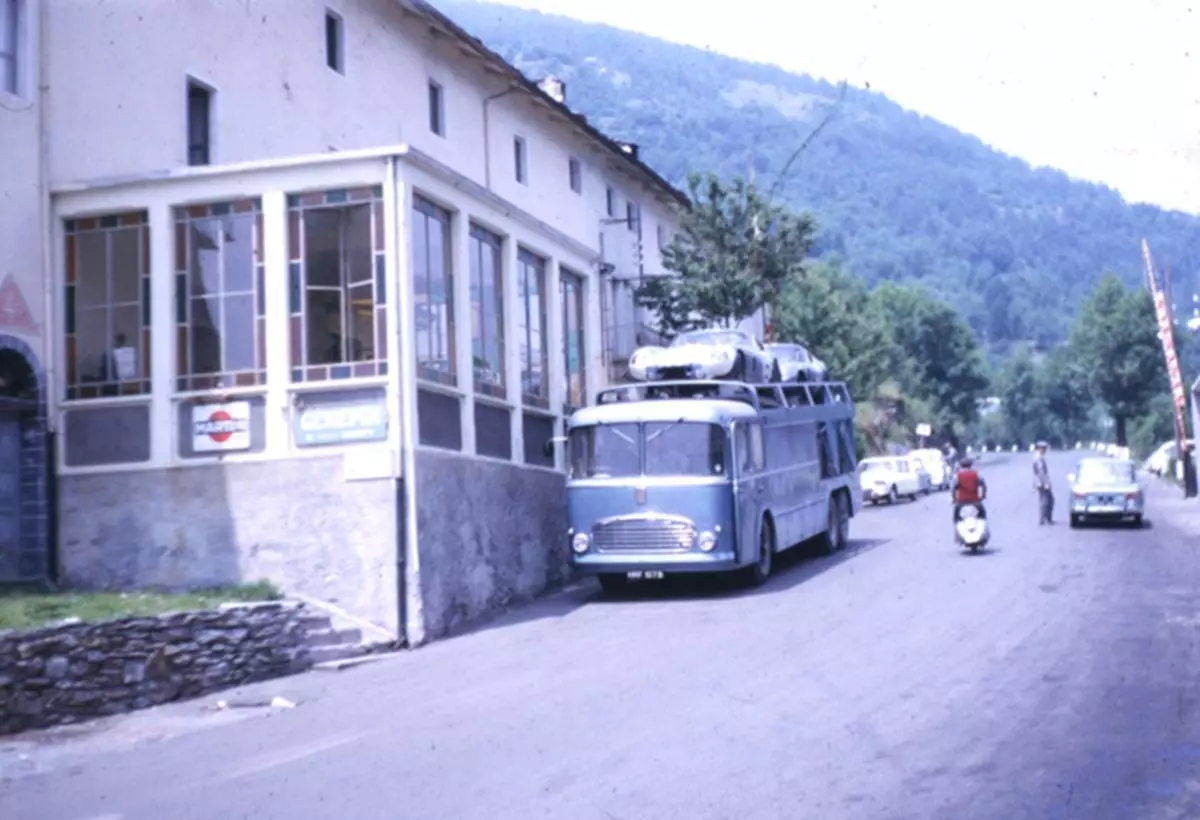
[221,427]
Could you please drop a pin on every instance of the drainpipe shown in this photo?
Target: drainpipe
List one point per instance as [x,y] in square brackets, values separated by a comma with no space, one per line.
[50,365]
[487,140]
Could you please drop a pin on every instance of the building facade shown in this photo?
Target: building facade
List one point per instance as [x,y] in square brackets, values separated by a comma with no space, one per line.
[302,291]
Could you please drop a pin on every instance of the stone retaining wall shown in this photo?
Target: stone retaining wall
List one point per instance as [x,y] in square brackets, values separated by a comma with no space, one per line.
[65,674]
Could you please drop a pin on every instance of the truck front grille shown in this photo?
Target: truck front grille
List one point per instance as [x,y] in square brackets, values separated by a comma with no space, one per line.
[657,534]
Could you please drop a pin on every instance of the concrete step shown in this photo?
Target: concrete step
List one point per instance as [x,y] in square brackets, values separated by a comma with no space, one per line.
[315,621]
[333,637]
[336,652]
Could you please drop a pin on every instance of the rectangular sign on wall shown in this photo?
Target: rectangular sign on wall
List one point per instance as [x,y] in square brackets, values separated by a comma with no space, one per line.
[341,423]
[221,427]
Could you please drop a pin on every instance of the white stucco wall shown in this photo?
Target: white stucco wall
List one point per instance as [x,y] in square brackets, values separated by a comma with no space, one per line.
[119,110]
[20,200]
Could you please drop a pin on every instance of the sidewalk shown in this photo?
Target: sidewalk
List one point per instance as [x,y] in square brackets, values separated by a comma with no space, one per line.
[1165,502]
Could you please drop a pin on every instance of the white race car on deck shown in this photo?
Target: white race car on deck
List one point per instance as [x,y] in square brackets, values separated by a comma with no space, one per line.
[706,354]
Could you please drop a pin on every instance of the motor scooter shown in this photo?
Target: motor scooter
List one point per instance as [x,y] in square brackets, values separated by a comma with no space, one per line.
[971,528]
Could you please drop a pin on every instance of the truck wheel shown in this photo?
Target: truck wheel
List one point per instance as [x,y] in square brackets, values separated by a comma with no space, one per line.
[760,570]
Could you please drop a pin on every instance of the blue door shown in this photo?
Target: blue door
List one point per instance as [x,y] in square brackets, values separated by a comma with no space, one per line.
[748,487]
[10,496]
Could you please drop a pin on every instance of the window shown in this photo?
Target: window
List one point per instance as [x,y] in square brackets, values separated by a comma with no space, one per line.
[685,448]
[338,301]
[199,123]
[437,111]
[631,216]
[758,454]
[610,201]
[10,22]
[334,42]
[519,160]
[661,235]
[107,306]
[531,327]
[575,175]
[574,364]
[219,300]
[433,292]
[487,313]
[605,451]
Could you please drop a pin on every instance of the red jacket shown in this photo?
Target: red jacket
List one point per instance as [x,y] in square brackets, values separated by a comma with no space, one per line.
[967,486]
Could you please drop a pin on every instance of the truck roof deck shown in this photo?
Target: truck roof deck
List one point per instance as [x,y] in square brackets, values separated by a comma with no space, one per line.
[709,410]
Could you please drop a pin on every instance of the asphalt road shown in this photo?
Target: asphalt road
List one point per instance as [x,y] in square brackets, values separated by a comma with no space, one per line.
[1052,677]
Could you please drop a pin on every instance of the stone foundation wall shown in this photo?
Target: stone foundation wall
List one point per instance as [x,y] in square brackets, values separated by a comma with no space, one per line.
[66,674]
[297,523]
[491,535]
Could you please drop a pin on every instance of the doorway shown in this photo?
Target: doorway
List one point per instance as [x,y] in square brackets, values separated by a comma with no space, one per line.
[25,517]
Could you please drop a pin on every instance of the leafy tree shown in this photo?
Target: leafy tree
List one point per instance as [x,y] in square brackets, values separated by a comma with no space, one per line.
[1115,339]
[1024,401]
[945,363]
[830,312]
[734,253]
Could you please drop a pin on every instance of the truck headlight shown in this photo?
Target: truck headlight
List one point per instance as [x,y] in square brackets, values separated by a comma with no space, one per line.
[707,542]
[580,543]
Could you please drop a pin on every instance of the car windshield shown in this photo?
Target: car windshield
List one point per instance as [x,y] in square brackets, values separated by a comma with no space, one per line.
[671,448]
[1105,473]
[711,337]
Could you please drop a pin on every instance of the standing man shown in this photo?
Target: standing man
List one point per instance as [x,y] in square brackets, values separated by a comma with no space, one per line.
[1041,482]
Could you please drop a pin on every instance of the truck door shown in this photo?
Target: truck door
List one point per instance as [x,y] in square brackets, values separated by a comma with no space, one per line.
[749,487]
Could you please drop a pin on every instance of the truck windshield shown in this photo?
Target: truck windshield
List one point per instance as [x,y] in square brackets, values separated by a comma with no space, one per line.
[671,448]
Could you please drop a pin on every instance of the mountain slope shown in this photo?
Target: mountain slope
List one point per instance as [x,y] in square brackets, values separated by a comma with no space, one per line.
[901,196]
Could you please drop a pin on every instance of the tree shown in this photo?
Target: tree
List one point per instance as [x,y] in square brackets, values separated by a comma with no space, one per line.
[1026,411]
[830,312]
[945,365]
[734,253]
[1115,339]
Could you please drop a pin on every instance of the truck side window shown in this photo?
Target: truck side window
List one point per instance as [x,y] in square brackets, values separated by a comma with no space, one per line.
[757,453]
[745,461]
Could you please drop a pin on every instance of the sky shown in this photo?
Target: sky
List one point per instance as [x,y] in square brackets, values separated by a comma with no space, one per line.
[1106,91]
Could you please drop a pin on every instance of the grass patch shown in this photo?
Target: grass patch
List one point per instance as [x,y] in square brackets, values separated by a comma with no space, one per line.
[24,610]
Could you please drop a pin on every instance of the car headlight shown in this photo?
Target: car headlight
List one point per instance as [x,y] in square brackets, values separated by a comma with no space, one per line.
[707,542]
[636,358]
[580,543]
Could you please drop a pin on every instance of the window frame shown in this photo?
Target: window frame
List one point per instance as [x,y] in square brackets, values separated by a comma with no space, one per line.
[610,201]
[529,263]
[427,213]
[12,52]
[568,281]
[478,238]
[301,370]
[521,160]
[75,388]
[575,174]
[335,41]
[187,379]
[437,108]
[200,149]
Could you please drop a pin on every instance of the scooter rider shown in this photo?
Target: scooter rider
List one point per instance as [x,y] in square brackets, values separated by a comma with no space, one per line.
[969,488]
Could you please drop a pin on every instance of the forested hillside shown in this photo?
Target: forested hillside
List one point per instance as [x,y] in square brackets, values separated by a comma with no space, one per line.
[901,197]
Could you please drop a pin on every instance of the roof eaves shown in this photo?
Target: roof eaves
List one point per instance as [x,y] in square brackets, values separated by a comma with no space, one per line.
[429,11]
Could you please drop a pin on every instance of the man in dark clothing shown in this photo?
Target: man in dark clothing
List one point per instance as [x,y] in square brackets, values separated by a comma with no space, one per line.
[969,488]
[1041,482]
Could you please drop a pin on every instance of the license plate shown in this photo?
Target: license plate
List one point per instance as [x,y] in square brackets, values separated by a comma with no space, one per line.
[645,575]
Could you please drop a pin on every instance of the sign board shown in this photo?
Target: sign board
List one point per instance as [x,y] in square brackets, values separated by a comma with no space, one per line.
[924,430]
[341,422]
[1167,337]
[218,428]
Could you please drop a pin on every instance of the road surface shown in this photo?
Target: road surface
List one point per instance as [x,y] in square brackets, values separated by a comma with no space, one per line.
[1053,677]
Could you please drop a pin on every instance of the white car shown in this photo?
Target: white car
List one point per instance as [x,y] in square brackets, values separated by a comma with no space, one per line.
[887,478]
[706,354]
[935,464]
[797,363]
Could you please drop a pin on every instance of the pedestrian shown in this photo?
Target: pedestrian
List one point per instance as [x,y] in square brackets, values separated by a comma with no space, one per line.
[1041,482]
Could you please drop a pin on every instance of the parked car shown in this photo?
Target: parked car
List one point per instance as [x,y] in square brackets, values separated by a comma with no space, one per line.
[935,464]
[797,363]
[706,354]
[1106,489]
[887,478]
